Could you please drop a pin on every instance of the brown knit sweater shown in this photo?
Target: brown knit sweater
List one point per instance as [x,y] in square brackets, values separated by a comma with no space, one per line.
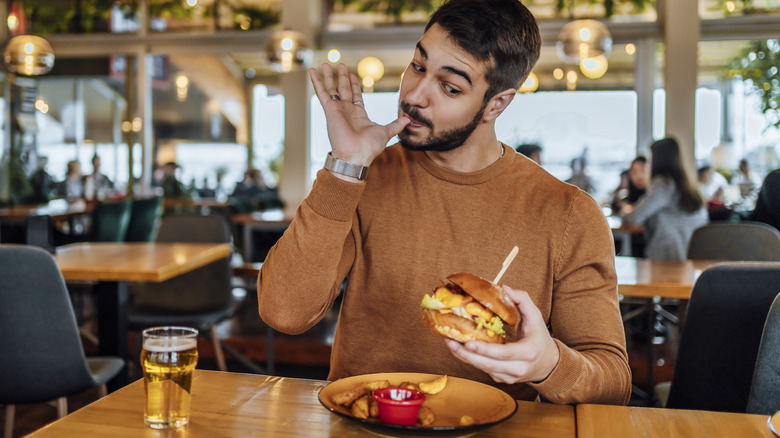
[411,224]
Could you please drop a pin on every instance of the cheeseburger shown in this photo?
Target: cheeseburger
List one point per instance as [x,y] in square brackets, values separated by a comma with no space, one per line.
[468,307]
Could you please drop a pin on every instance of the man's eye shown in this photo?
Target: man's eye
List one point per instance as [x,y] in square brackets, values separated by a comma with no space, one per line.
[450,90]
[418,68]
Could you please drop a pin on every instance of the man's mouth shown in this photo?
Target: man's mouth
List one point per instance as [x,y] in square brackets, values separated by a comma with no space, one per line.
[416,119]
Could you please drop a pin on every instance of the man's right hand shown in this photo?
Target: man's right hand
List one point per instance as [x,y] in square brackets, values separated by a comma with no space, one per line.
[353,137]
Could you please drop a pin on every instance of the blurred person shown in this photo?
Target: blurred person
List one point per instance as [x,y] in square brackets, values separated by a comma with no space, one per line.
[532,151]
[579,177]
[768,203]
[172,187]
[671,209]
[712,185]
[97,185]
[639,179]
[254,189]
[747,181]
[712,188]
[72,186]
[633,186]
[450,198]
[42,182]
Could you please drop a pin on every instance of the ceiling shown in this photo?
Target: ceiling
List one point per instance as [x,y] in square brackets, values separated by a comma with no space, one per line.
[222,66]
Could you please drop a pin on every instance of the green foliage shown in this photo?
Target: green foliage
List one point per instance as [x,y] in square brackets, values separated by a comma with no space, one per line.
[244,17]
[758,65]
[256,18]
[45,17]
[562,6]
[393,8]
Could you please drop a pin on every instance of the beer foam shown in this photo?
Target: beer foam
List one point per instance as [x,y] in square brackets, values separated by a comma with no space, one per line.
[169,344]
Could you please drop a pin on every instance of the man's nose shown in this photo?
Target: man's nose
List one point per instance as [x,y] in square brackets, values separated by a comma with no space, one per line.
[418,94]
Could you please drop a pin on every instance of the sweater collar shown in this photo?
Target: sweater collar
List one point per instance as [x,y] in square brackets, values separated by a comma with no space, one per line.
[465,178]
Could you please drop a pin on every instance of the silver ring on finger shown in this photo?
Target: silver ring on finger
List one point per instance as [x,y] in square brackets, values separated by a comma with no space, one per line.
[335,97]
[358,102]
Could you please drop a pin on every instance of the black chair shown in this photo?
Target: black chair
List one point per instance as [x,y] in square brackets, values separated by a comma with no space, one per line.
[719,342]
[41,356]
[765,391]
[110,221]
[201,298]
[144,218]
[737,241]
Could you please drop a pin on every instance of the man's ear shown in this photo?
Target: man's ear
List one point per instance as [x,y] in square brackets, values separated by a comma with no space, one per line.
[498,104]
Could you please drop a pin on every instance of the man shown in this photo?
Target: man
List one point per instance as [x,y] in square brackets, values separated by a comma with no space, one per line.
[97,185]
[532,151]
[446,200]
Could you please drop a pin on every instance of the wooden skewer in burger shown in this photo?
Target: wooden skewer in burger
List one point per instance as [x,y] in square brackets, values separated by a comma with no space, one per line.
[468,307]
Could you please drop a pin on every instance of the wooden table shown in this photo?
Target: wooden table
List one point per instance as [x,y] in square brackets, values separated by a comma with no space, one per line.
[250,405]
[650,280]
[112,265]
[271,220]
[602,421]
[623,234]
[645,278]
[37,219]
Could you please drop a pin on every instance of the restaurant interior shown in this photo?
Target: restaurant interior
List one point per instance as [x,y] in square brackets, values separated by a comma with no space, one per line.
[126,123]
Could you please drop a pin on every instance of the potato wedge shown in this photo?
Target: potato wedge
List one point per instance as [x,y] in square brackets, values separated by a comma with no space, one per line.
[434,387]
[360,407]
[466,420]
[425,416]
[346,398]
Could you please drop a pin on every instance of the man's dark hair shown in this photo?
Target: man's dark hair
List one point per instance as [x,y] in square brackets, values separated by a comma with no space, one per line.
[639,159]
[528,149]
[502,33]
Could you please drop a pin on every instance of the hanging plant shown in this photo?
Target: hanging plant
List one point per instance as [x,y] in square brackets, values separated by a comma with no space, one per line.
[567,6]
[758,67]
[393,8]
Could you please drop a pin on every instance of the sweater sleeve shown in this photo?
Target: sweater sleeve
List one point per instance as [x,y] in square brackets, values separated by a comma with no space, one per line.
[657,197]
[585,318]
[302,273]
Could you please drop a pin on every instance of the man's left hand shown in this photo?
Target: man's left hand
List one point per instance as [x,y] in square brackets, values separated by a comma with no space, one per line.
[530,359]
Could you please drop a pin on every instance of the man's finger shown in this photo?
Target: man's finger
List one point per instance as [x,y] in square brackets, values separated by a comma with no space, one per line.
[327,80]
[530,314]
[319,87]
[395,127]
[345,86]
[484,363]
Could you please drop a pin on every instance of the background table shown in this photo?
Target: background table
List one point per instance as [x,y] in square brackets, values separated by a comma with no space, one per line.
[602,421]
[650,280]
[249,405]
[112,265]
[645,278]
[38,219]
[271,220]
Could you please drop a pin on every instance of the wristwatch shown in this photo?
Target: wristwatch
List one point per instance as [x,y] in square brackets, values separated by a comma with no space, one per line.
[340,166]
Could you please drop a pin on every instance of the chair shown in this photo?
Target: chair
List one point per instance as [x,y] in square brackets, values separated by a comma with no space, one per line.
[144,217]
[41,356]
[110,221]
[765,391]
[719,342]
[737,241]
[201,298]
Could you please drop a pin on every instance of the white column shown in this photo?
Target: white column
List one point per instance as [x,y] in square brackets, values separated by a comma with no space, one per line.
[644,86]
[682,29]
[303,16]
[144,111]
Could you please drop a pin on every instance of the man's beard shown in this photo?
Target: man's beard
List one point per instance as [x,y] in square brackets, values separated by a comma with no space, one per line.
[446,141]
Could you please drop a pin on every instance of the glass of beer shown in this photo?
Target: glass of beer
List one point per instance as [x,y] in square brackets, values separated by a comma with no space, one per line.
[168,359]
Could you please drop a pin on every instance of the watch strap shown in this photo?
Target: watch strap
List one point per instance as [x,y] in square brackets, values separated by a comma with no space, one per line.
[345,168]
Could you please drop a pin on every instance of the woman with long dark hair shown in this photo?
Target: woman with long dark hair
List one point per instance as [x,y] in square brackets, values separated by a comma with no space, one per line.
[671,208]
